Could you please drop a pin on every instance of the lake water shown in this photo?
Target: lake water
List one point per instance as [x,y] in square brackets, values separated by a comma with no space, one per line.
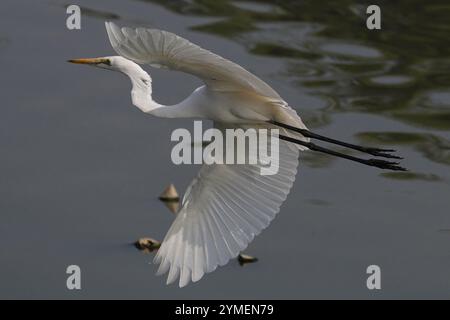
[81,168]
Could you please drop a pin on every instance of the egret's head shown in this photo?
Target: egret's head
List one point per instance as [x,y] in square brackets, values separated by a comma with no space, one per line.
[141,80]
[104,62]
[115,63]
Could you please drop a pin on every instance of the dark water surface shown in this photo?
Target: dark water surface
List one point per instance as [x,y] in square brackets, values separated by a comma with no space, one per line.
[81,168]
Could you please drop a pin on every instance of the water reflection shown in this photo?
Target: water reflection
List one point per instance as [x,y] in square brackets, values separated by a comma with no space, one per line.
[411,176]
[4,42]
[432,147]
[99,14]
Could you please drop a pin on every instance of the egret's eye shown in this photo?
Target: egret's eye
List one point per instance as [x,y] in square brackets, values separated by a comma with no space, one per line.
[106,62]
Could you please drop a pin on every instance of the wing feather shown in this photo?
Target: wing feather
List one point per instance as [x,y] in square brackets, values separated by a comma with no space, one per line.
[164,49]
[223,209]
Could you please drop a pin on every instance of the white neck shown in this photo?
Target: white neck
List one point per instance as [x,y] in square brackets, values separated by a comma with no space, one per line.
[141,93]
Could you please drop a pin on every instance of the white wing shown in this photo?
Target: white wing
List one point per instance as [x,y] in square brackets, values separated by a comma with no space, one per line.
[164,49]
[222,211]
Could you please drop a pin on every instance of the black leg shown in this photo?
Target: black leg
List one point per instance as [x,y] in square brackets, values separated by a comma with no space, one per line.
[306,133]
[382,164]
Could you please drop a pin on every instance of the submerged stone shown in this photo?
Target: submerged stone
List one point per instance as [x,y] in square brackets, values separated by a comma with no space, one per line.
[244,259]
[147,244]
[169,194]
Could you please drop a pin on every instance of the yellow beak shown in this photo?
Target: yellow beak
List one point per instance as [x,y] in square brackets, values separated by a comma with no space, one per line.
[88,61]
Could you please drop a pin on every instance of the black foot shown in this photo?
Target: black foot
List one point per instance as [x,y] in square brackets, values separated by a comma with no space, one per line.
[381,153]
[382,164]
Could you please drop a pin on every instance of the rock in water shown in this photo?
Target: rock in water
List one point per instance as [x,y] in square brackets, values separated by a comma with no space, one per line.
[244,259]
[170,194]
[147,244]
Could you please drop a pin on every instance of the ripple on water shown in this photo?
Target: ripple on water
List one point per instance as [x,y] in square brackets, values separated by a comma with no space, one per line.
[432,147]
[407,176]
[351,50]
[430,109]
[438,99]
[281,51]
[390,80]
[257,6]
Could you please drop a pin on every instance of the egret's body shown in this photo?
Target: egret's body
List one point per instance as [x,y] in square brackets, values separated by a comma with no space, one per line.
[226,205]
[227,107]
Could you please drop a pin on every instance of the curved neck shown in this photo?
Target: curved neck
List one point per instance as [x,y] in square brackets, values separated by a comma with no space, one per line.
[141,95]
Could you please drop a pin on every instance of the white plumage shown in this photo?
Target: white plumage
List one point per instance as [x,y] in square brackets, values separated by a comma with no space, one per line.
[224,208]
[164,49]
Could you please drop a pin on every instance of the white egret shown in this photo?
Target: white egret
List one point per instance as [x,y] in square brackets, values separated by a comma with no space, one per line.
[226,205]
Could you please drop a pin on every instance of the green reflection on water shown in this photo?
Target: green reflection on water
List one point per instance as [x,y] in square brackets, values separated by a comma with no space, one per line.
[275,50]
[229,27]
[432,147]
[411,176]
[316,160]
[96,13]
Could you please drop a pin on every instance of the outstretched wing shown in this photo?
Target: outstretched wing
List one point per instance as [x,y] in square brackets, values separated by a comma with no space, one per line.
[222,211]
[164,49]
